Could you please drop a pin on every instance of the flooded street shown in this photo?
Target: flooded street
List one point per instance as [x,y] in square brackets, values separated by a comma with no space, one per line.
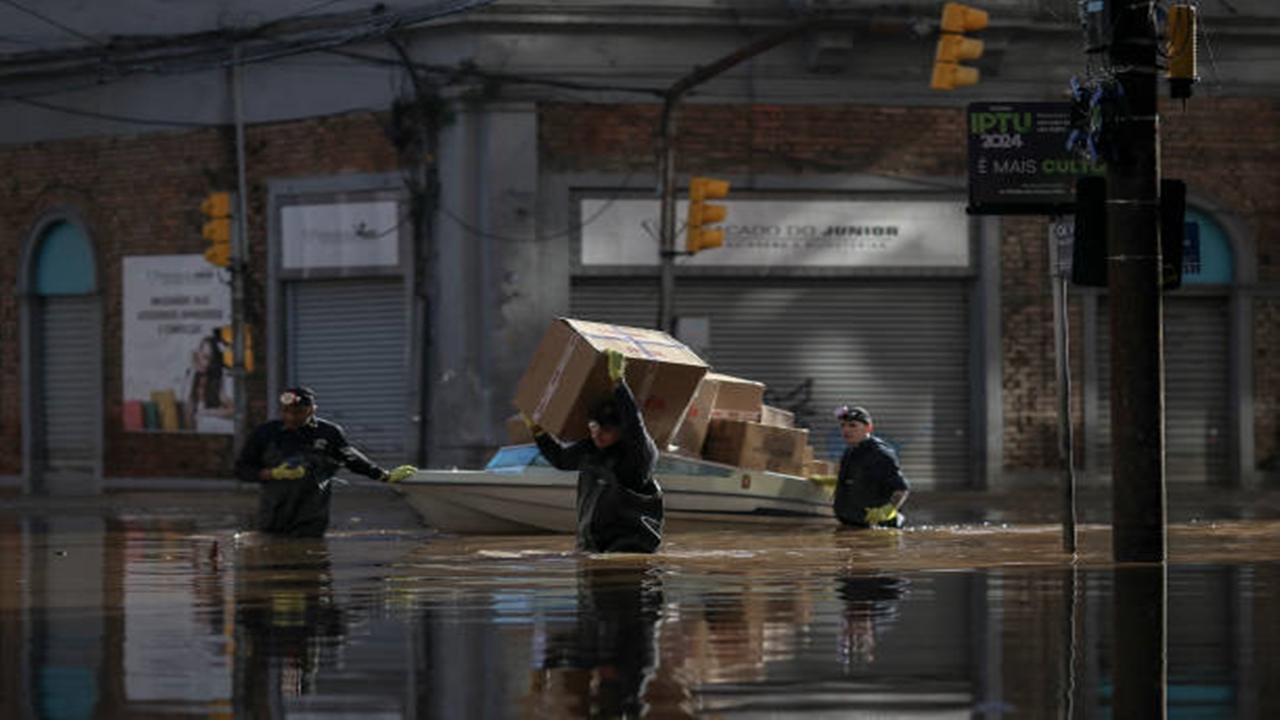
[158,605]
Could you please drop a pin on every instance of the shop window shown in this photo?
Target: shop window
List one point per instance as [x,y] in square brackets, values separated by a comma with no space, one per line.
[1210,262]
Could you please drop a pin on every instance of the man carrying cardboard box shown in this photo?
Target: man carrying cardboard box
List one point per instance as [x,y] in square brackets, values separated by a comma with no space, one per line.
[620,507]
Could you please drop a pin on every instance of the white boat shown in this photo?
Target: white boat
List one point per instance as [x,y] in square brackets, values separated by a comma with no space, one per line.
[519,492]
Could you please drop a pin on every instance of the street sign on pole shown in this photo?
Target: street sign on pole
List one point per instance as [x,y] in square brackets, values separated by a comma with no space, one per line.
[1019,163]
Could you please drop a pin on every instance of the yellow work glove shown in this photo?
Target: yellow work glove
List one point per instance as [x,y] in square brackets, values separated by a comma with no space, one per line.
[400,473]
[884,513]
[617,364]
[826,481]
[534,428]
[288,471]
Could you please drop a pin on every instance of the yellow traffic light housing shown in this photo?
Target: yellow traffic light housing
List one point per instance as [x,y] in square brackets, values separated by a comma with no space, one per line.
[216,209]
[227,334]
[1180,40]
[954,47]
[696,235]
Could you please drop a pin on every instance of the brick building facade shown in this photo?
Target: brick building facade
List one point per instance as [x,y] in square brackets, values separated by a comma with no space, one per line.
[492,270]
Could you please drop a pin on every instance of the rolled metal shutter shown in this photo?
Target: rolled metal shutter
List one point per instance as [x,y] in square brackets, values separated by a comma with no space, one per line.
[1196,390]
[70,372]
[898,347]
[347,340]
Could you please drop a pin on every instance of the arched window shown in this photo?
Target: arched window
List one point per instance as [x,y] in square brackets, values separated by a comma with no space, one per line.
[1207,257]
[65,264]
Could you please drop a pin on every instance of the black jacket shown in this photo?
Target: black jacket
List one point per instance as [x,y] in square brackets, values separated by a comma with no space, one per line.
[869,476]
[620,505]
[299,508]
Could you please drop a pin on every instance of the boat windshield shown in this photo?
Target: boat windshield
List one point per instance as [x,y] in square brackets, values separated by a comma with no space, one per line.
[516,456]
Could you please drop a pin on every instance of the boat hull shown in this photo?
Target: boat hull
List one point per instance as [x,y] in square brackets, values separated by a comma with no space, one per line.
[481,502]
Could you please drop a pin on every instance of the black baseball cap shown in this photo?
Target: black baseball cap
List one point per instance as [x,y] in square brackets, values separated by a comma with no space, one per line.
[300,396]
[605,413]
[846,413]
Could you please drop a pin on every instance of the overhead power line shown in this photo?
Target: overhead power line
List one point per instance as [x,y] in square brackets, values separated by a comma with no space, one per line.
[50,21]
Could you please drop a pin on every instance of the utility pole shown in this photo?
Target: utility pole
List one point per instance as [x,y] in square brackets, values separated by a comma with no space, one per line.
[239,270]
[667,158]
[1139,601]
[1134,268]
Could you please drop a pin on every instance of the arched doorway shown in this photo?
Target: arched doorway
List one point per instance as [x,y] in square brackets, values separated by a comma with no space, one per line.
[61,360]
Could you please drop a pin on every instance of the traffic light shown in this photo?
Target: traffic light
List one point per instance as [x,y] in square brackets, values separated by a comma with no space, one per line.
[696,235]
[953,47]
[227,334]
[216,209]
[1180,49]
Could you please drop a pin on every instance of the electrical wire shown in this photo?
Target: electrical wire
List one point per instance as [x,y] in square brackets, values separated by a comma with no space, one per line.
[109,116]
[50,21]
[452,72]
[305,11]
[198,44]
[568,231]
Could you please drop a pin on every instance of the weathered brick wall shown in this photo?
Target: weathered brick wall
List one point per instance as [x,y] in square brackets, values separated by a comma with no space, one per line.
[764,138]
[140,195]
[1029,382]
[1229,151]
[1266,388]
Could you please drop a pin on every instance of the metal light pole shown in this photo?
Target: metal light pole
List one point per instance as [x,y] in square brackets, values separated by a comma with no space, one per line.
[239,269]
[667,158]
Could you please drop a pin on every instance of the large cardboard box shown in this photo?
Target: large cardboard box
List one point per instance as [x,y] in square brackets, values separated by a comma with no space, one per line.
[755,446]
[737,398]
[568,375]
[692,430]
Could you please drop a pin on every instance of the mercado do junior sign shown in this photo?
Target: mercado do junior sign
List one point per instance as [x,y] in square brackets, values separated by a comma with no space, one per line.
[1018,159]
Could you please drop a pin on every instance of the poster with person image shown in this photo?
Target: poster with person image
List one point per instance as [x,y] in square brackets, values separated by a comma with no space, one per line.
[175,375]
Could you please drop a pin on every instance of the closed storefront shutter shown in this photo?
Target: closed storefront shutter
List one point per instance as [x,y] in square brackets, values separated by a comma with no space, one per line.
[347,339]
[70,372]
[900,348]
[1196,390]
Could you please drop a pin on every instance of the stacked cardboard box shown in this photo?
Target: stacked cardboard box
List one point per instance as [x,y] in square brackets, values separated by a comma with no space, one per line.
[777,417]
[719,396]
[757,446]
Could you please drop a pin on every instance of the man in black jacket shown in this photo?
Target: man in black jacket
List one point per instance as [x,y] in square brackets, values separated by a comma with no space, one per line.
[870,487]
[295,459]
[620,506]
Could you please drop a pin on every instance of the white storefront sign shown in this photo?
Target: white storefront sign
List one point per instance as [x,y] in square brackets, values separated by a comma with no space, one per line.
[339,235]
[799,233]
[174,376]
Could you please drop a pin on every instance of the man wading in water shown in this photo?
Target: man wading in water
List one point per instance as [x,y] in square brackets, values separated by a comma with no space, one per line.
[620,506]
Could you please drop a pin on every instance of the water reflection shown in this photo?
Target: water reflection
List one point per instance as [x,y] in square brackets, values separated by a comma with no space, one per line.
[287,624]
[149,614]
[598,667]
[870,610]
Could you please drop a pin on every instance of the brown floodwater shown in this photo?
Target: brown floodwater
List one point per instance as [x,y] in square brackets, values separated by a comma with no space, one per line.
[159,605]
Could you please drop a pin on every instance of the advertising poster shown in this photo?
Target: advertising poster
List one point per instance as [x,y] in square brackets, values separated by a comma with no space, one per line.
[1019,162]
[175,377]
